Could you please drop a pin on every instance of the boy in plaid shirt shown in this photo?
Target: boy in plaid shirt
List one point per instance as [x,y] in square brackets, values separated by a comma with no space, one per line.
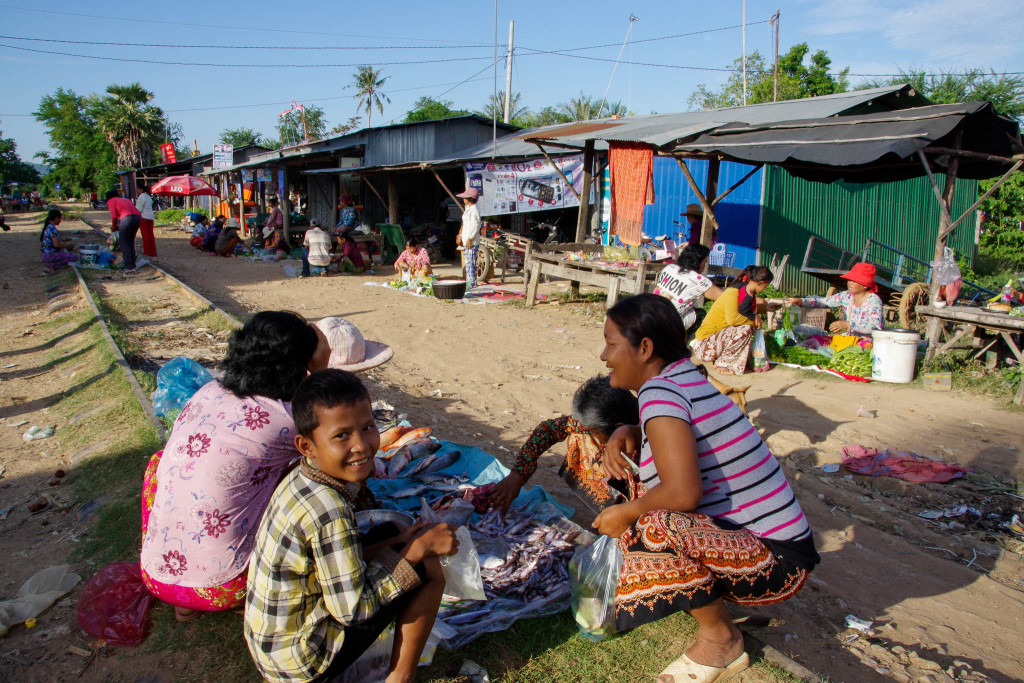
[317,597]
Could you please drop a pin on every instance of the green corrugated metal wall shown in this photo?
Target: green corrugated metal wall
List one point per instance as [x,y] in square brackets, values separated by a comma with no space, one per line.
[904,215]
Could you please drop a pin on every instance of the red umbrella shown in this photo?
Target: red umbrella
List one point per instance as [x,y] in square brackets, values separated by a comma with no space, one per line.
[183,186]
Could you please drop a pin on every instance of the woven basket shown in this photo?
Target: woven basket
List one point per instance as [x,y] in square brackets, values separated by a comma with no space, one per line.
[449,289]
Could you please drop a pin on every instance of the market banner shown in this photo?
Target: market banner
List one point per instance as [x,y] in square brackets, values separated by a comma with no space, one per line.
[223,156]
[263,175]
[167,155]
[532,185]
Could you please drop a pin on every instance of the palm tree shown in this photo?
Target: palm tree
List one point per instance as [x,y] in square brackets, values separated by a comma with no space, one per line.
[580,108]
[368,82]
[130,123]
[496,103]
[614,109]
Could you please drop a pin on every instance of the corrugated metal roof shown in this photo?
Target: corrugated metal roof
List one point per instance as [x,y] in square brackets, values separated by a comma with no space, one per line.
[664,129]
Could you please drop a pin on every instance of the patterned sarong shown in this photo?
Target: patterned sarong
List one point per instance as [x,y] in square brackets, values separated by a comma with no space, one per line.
[728,349]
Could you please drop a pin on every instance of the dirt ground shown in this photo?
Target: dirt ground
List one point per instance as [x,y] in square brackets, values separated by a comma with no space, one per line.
[945,595]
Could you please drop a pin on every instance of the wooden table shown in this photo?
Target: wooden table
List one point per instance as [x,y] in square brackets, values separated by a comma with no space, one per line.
[966,321]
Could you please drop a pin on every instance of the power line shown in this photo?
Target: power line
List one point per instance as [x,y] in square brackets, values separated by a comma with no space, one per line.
[249,47]
[243,66]
[218,28]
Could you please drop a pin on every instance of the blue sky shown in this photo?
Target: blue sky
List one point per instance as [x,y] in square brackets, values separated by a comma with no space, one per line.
[435,42]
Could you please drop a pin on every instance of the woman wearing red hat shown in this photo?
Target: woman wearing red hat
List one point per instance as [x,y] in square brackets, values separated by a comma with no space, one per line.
[860,301]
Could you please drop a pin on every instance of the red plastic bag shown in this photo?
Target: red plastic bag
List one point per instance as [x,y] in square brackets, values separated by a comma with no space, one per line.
[114,605]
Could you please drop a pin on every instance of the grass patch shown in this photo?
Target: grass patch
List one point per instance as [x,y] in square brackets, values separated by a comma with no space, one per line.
[973,377]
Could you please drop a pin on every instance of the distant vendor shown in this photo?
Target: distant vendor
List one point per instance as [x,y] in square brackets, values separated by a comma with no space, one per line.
[860,302]
[413,259]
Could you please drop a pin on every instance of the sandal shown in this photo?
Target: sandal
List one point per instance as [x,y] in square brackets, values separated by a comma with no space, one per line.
[685,670]
[723,371]
[183,615]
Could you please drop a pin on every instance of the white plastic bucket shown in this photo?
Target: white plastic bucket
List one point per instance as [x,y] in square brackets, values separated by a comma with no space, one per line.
[895,354]
[87,253]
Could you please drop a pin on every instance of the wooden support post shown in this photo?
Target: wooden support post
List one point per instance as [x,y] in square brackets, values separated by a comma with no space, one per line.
[392,199]
[613,292]
[583,221]
[286,205]
[555,166]
[708,210]
[370,185]
[532,282]
[709,224]
[335,191]
[641,276]
[451,194]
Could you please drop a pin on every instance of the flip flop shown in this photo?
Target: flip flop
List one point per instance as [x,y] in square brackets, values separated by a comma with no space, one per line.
[723,371]
[685,670]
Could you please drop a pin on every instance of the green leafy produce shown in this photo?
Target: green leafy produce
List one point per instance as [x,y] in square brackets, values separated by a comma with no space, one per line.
[798,355]
[852,360]
[1018,312]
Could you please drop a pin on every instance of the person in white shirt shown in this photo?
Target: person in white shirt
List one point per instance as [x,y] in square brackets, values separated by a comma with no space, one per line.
[317,244]
[684,284]
[469,236]
[144,203]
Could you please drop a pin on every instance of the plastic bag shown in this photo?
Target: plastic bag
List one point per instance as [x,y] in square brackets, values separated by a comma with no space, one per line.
[374,663]
[176,382]
[594,572]
[114,605]
[461,570]
[759,352]
[40,591]
[946,271]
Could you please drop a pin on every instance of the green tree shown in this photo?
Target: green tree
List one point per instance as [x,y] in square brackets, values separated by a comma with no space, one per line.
[548,116]
[82,159]
[240,137]
[1002,239]
[347,127]
[295,127]
[430,109]
[131,124]
[800,76]
[12,168]
[496,105]
[580,108]
[1005,92]
[369,83]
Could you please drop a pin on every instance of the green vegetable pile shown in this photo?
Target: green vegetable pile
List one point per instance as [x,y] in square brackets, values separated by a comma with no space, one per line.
[853,360]
[1017,312]
[797,355]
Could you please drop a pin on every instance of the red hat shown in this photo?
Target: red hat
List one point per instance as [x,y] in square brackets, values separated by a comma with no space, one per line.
[862,274]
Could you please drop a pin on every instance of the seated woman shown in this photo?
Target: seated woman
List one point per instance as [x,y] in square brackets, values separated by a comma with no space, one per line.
[684,284]
[227,240]
[413,260]
[598,409]
[56,252]
[724,336]
[203,496]
[212,233]
[860,302]
[275,244]
[349,258]
[199,231]
[716,520]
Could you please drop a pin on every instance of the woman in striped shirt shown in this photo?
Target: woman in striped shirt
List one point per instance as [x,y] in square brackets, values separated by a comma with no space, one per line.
[718,521]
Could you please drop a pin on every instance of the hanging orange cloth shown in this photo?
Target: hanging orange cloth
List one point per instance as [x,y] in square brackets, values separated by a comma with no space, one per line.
[631,165]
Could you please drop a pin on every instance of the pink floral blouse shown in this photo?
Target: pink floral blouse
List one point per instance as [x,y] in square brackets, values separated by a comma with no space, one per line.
[221,463]
[417,260]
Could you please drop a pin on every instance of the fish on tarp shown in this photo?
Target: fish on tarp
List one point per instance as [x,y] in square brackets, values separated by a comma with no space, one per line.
[418,489]
[398,462]
[390,436]
[441,461]
[418,465]
[380,468]
[406,437]
[440,479]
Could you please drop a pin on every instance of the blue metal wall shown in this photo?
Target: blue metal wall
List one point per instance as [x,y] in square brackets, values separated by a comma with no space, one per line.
[738,214]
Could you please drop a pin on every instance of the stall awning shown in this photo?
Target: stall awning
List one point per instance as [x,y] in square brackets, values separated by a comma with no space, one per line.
[873,147]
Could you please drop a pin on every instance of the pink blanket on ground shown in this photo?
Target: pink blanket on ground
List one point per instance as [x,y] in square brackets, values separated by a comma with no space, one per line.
[899,464]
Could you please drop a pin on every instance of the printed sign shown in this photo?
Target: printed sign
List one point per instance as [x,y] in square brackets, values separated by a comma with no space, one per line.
[246,175]
[263,175]
[223,156]
[167,153]
[532,185]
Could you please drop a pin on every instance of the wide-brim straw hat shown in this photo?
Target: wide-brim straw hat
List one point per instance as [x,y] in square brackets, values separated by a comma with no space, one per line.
[694,210]
[349,349]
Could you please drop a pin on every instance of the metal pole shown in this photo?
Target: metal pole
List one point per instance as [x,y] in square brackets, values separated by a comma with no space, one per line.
[494,109]
[744,53]
[508,74]
[775,21]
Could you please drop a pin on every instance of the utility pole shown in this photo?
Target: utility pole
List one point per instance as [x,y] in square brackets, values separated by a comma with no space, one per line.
[744,53]
[508,74]
[774,21]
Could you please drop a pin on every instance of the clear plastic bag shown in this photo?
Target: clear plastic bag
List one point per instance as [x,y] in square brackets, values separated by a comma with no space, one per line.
[946,271]
[461,570]
[594,572]
[759,352]
[374,663]
[40,591]
[176,382]
[114,605]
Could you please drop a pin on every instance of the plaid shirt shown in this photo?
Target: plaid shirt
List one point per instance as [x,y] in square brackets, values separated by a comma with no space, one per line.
[308,580]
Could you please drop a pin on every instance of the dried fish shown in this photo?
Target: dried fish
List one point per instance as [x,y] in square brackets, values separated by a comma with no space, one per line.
[398,463]
[442,461]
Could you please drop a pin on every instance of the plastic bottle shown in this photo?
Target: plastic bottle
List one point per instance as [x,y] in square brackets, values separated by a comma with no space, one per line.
[1007,293]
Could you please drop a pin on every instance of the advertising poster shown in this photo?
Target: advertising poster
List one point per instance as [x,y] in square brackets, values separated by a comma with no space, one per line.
[167,155]
[532,185]
[223,156]
[247,175]
[263,175]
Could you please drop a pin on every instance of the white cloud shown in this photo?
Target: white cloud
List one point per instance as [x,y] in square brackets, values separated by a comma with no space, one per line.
[943,33]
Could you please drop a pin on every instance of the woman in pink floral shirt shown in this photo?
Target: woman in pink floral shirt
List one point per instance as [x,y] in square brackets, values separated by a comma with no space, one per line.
[204,495]
[413,258]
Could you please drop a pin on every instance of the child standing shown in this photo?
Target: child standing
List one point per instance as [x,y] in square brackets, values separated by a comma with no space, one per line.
[316,598]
